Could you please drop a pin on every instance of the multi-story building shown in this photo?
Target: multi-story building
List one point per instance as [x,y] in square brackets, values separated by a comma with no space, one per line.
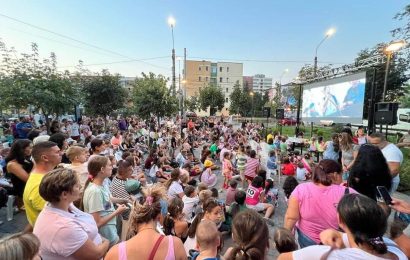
[261,84]
[223,74]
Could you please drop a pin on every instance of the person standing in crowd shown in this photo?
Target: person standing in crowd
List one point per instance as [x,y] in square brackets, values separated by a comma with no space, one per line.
[23,128]
[311,205]
[349,152]
[145,241]
[365,223]
[369,170]
[46,156]
[361,136]
[332,148]
[393,155]
[78,157]
[65,231]
[97,199]
[19,166]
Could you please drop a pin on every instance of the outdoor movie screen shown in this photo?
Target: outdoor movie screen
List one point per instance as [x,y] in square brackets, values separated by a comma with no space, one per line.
[339,100]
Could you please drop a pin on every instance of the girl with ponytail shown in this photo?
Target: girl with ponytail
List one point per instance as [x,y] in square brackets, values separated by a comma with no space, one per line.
[250,234]
[144,240]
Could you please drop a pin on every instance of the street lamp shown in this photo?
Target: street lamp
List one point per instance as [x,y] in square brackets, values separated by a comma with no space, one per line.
[252,94]
[394,46]
[328,34]
[171,23]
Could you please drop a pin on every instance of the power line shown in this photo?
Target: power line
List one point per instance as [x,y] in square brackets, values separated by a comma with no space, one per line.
[266,61]
[73,39]
[116,62]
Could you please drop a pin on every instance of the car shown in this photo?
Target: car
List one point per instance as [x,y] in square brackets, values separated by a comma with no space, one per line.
[288,121]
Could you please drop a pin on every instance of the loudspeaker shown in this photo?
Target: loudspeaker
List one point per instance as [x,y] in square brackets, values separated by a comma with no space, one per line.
[280,113]
[266,111]
[386,113]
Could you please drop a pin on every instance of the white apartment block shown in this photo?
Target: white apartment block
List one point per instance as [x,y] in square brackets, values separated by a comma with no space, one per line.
[261,84]
[228,74]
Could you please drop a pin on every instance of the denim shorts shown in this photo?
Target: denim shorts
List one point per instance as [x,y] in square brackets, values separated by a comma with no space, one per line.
[303,240]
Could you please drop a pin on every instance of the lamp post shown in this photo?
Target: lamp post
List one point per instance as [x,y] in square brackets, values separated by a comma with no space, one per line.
[171,23]
[252,94]
[328,34]
[394,46]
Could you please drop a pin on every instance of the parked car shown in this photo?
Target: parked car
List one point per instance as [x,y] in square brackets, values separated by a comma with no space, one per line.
[288,121]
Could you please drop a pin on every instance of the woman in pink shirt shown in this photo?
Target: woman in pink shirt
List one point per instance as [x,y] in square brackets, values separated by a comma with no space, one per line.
[312,205]
[252,166]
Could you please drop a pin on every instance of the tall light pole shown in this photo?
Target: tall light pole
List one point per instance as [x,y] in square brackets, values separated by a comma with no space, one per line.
[328,34]
[394,46]
[279,94]
[171,23]
[252,94]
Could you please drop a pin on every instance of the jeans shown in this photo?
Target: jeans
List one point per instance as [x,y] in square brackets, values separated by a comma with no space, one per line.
[395,184]
[303,240]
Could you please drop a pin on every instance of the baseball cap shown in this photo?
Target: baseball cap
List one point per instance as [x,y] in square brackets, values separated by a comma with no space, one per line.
[132,186]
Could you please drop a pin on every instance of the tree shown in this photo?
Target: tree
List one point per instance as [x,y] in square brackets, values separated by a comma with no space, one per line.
[236,99]
[405,99]
[151,97]
[211,97]
[192,103]
[397,76]
[103,94]
[26,80]
[404,31]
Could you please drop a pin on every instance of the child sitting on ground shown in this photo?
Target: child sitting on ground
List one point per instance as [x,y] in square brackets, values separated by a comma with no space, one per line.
[230,193]
[271,193]
[284,240]
[207,241]
[191,201]
[288,168]
[208,177]
[301,172]
[271,164]
[289,185]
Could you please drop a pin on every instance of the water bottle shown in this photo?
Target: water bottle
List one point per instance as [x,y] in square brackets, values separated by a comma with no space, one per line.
[10,207]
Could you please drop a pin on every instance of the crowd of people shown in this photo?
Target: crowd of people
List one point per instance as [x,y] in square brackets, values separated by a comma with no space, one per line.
[129,188]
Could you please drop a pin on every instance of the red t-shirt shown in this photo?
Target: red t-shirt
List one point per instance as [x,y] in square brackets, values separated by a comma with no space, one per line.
[288,169]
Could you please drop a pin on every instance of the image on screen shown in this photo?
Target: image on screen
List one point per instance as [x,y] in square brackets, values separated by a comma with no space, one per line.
[340,100]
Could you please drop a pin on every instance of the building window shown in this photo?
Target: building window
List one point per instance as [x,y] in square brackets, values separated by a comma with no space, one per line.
[206,79]
[199,78]
[199,68]
[226,100]
[227,90]
[220,69]
[220,79]
[206,68]
[227,79]
[227,69]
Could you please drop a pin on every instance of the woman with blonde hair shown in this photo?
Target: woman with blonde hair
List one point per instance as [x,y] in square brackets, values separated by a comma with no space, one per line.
[349,153]
[145,241]
[20,246]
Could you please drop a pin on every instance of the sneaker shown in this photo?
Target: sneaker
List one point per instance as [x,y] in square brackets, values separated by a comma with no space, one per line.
[269,221]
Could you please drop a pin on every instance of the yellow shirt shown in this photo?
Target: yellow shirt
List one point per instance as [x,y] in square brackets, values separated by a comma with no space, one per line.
[33,202]
[269,136]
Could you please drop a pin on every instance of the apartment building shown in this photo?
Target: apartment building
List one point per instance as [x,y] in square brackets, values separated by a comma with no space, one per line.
[223,74]
[261,84]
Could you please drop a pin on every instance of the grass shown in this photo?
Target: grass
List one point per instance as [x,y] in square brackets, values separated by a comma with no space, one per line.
[326,132]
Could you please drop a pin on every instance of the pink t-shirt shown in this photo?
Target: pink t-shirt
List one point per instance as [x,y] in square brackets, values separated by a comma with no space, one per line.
[252,195]
[318,207]
[251,165]
[227,169]
[230,196]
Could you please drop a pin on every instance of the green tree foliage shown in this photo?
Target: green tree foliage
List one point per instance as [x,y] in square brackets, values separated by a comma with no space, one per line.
[103,93]
[237,101]
[151,97]
[211,97]
[191,103]
[405,99]
[403,32]
[399,65]
[26,80]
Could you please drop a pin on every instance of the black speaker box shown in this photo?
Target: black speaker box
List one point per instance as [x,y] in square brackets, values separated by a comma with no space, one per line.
[386,113]
[280,113]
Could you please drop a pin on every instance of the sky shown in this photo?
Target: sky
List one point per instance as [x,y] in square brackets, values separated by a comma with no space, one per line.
[268,37]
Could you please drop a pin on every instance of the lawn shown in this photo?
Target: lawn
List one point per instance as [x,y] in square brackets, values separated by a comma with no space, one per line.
[326,132]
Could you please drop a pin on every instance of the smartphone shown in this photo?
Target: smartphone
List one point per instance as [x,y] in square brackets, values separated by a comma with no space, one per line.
[384,193]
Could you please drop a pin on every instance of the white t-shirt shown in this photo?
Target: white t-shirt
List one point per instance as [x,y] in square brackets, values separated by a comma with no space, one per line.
[75,130]
[189,206]
[393,154]
[301,174]
[174,190]
[317,251]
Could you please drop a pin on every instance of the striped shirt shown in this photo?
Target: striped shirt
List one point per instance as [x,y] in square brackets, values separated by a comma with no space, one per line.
[241,161]
[117,189]
[251,165]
